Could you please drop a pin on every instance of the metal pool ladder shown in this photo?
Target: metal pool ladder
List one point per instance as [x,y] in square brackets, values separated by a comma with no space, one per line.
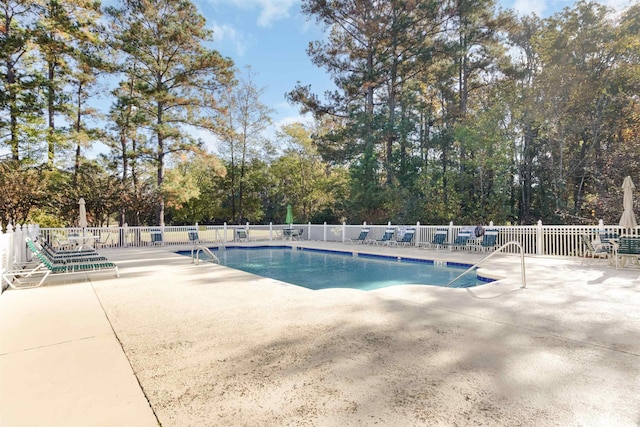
[195,255]
[512,243]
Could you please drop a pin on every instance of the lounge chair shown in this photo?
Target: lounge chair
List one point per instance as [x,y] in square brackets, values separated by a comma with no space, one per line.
[156,236]
[407,238]
[360,239]
[461,241]
[194,237]
[60,252]
[387,237]
[27,276]
[57,257]
[438,239]
[489,240]
[242,235]
[593,251]
[104,239]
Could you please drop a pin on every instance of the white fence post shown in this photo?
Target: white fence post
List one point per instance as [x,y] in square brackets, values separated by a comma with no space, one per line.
[125,236]
[344,228]
[19,243]
[324,232]
[450,232]
[417,234]
[10,256]
[270,231]
[539,239]
[6,262]
[224,236]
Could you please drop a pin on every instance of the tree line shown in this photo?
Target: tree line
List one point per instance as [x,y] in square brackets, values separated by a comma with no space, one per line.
[442,111]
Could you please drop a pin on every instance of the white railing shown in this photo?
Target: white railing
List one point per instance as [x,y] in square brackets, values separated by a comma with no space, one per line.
[13,248]
[539,239]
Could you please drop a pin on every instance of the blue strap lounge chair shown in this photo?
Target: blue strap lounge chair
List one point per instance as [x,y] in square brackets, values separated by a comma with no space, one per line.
[386,238]
[194,236]
[156,236]
[360,239]
[242,235]
[489,240]
[461,240]
[406,239]
[438,240]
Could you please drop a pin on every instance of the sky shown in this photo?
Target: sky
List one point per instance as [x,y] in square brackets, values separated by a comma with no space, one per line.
[271,36]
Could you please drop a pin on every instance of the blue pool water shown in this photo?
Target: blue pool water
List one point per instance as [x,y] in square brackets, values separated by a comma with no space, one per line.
[319,269]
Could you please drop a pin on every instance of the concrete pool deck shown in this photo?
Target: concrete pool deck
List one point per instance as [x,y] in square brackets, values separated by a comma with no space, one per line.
[177,344]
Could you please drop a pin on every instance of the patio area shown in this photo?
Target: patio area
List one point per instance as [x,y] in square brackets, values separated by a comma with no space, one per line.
[177,344]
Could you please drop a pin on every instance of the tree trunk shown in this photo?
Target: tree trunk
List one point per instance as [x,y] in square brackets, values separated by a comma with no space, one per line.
[51,114]
[160,172]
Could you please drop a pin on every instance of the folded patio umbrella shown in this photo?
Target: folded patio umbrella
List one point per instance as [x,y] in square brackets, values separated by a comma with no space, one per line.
[628,218]
[82,214]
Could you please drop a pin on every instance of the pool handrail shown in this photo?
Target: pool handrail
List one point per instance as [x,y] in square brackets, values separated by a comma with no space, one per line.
[511,243]
[195,255]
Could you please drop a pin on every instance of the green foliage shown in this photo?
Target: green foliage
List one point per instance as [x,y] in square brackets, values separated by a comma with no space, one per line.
[442,112]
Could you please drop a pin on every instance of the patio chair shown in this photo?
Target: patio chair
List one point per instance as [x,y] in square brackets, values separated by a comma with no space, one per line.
[360,239]
[438,239]
[489,240]
[386,238]
[297,234]
[156,236]
[593,251]
[242,235]
[406,239]
[292,233]
[461,241]
[104,239]
[194,237]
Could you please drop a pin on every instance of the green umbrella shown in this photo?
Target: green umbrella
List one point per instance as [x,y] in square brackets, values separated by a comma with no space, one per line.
[289,219]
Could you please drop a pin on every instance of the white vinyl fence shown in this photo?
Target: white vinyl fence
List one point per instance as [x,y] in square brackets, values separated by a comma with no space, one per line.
[13,249]
[539,239]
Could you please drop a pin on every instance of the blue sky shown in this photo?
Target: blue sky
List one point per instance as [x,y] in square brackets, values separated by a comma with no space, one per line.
[272,36]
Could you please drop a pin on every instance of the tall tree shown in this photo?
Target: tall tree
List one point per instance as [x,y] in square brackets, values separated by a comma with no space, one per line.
[246,119]
[62,28]
[349,56]
[19,101]
[178,76]
[128,142]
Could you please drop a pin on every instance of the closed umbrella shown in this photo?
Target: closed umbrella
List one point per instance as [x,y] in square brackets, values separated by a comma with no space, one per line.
[82,220]
[82,214]
[628,218]
[289,218]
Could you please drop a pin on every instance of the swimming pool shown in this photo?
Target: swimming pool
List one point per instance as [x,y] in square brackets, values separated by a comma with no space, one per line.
[322,269]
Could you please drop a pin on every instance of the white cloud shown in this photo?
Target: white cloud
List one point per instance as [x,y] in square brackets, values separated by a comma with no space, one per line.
[270,10]
[225,33]
[274,10]
[618,5]
[527,7]
[305,120]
